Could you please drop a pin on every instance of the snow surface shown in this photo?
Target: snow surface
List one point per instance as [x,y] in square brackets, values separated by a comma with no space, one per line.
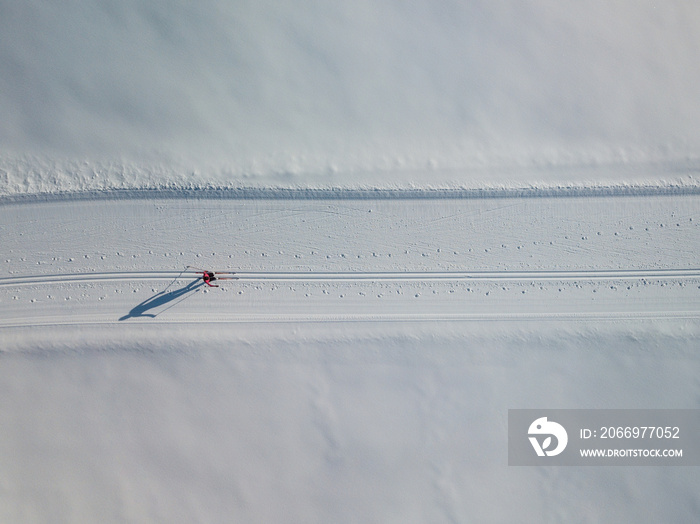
[360,369]
[107,93]
[436,212]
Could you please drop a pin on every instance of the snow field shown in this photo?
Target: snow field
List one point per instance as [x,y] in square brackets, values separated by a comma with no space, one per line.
[328,422]
[378,393]
[361,368]
[122,95]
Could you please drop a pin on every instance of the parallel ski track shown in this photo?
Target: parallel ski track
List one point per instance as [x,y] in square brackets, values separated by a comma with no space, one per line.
[313,318]
[349,276]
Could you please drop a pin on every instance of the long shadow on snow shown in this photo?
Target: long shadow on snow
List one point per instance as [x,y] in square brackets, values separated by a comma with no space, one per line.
[161,299]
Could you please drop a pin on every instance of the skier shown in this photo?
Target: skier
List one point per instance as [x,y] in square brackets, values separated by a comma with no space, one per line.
[209,277]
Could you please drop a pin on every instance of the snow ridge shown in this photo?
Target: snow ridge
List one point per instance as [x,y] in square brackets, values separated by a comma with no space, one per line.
[340,193]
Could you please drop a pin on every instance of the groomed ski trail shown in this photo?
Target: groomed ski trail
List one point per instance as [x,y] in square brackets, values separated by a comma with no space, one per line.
[355,276]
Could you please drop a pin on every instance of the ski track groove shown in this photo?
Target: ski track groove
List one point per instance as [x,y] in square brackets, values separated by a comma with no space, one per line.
[357,276]
[605,316]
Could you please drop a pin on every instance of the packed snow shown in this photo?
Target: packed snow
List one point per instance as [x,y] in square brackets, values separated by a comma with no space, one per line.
[421,216]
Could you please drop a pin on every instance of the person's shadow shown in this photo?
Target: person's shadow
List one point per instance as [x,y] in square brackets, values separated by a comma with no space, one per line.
[162,299]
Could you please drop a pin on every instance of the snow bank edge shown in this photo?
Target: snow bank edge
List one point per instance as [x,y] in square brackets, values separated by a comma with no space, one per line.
[339,193]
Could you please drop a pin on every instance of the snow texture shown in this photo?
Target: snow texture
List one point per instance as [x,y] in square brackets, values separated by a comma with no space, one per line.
[435,212]
[361,368]
[106,94]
